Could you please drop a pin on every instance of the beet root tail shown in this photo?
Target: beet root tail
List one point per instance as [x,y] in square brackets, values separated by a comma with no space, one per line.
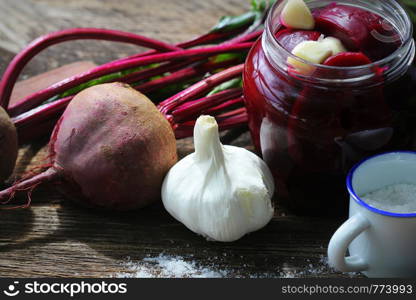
[27,185]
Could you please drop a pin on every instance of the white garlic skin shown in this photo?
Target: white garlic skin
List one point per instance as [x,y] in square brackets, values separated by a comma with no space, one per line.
[220,192]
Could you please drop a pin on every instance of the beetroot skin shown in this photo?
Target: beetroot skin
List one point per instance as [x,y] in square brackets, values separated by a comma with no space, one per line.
[8,145]
[111,149]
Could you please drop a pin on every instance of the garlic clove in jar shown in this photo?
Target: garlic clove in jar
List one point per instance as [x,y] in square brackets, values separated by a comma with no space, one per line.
[334,44]
[297,15]
[220,192]
[311,51]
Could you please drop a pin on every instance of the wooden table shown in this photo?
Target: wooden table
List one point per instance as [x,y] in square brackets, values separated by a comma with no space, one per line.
[56,238]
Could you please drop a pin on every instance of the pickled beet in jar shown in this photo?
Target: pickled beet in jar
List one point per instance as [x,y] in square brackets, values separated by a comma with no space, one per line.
[312,127]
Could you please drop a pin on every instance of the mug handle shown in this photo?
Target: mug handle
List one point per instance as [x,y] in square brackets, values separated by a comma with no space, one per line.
[340,241]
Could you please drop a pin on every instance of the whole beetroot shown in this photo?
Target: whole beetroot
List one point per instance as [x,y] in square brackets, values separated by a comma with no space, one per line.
[111,149]
[8,145]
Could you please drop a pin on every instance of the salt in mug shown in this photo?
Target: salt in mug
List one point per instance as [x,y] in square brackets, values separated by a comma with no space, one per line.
[380,243]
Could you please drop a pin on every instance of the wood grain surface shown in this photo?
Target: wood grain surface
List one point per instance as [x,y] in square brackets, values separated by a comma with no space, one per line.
[54,238]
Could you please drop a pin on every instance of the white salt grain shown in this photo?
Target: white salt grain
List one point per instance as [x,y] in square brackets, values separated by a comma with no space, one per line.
[396,198]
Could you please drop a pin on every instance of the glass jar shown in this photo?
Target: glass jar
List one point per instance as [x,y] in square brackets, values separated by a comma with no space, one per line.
[311,129]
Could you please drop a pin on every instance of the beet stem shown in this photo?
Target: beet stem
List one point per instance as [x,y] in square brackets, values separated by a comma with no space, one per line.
[27,184]
[203,86]
[182,75]
[26,123]
[12,72]
[226,104]
[195,108]
[233,121]
[232,113]
[41,96]
[207,38]
[137,76]
[250,37]
[33,116]
[159,70]
[204,40]
[41,112]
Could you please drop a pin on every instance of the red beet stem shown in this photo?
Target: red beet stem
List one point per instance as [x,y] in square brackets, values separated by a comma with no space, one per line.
[194,71]
[229,114]
[137,76]
[204,40]
[41,96]
[245,38]
[197,89]
[26,118]
[19,62]
[162,69]
[35,115]
[207,38]
[41,112]
[195,108]
[34,124]
[40,121]
[28,184]
[226,104]
[26,123]
[233,121]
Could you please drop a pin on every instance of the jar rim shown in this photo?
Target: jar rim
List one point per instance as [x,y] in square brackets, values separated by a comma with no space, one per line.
[408,39]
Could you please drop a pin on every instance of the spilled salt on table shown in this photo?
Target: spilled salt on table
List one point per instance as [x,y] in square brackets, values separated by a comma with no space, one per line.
[397,198]
[166,266]
[169,266]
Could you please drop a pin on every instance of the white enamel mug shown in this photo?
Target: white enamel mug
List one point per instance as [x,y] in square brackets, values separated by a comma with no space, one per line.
[380,243]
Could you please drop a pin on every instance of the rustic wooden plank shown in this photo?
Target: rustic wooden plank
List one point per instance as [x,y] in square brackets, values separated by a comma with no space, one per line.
[70,241]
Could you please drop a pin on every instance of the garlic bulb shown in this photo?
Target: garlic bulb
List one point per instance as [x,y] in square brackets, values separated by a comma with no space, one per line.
[220,192]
